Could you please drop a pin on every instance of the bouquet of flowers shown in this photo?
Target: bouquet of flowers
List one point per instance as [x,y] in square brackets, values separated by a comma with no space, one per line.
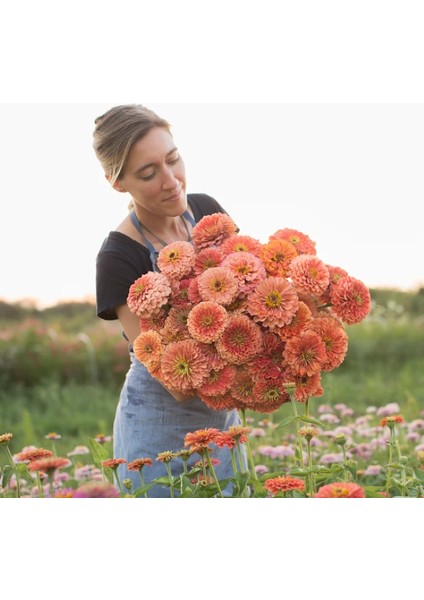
[244,324]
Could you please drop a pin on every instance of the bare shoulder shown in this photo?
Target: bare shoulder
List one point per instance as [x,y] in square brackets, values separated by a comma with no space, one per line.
[127,228]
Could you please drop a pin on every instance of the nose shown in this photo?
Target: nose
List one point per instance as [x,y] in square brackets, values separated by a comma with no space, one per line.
[169,180]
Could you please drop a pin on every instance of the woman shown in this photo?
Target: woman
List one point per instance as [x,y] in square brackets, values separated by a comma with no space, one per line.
[137,152]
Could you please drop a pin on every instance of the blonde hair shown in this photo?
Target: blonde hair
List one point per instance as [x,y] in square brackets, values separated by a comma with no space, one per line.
[117,130]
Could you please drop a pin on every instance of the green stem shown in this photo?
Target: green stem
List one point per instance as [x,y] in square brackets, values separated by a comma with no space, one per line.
[142,481]
[345,470]
[233,461]
[40,487]
[212,470]
[293,403]
[115,471]
[18,485]
[248,448]
[389,469]
[310,483]
[171,479]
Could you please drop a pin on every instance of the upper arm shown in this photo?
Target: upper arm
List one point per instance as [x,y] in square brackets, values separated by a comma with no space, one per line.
[129,322]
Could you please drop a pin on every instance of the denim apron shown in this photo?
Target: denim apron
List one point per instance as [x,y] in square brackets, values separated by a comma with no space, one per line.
[149,420]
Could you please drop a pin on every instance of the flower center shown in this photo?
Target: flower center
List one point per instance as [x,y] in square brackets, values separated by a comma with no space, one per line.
[182,367]
[273,300]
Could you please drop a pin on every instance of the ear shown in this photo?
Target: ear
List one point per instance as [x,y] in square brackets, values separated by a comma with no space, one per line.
[117,185]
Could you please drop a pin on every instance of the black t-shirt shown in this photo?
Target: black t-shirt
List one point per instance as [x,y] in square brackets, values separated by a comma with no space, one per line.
[121,260]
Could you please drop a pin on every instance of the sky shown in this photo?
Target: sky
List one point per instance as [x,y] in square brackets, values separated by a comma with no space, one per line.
[349,175]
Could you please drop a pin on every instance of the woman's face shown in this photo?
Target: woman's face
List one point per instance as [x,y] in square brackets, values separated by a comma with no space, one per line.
[154,175]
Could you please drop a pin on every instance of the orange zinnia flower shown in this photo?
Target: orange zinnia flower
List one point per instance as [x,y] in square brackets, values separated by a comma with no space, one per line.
[5,438]
[113,463]
[277,256]
[148,348]
[201,438]
[247,268]
[335,341]
[218,382]
[241,243]
[184,366]
[284,483]
[35,454]
[300,322]
[306,386]
[208,258]
[392,420]
[139,463]
[49,464]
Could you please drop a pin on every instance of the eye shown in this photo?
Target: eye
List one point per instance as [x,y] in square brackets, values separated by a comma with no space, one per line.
[148,177]
[174,158]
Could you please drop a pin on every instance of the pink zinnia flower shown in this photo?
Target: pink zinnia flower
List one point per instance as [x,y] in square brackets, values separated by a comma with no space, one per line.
[351,300]
[212,230]
[148,348]
[207,258]
[96,489]
[184,366]
[277,256]
[155,322]
[218,284]
[340,489]
[241,243]
[206,321]
[301,241]
[274,302]
[335,341]
[309,274]
[305,354]
[240,341]
[247,268]
[299,323]
[193,291]
[176,260]
[218,382]
[49,464]
[148,294]
[32,454]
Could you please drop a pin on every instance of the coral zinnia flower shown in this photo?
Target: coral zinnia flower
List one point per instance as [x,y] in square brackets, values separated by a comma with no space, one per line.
[148,294]
[309,274]
[351,300]
[240,341]
[166,456]
[218,382]
[242,388]
[340,489]
[284,483]
[269,394]
[335,341]
[241,243]
[305,386]
[300,322]
[247,268]
[49,464]
[207,258]
[5,438]
[176,260]
[175,327]
[222,402]
[31,455]
[391,420]
[155,322]
[274,302]
[335,273]
[269,363]
[139,463]
[206,321]
[113,463]
[148,348]
[218,284]
[201,437]
[184,366]
[305,354]
[277,256]
[212,230]
[301,241]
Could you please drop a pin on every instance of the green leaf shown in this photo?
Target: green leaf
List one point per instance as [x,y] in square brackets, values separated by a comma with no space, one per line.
[98,451]
[259,490]
[143,489]
[351,465]
[7,474]
[23,473]
[312,420]
[299,472]
[285,422]
[240,481]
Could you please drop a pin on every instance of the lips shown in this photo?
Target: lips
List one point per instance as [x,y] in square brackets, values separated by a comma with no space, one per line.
[174,197]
